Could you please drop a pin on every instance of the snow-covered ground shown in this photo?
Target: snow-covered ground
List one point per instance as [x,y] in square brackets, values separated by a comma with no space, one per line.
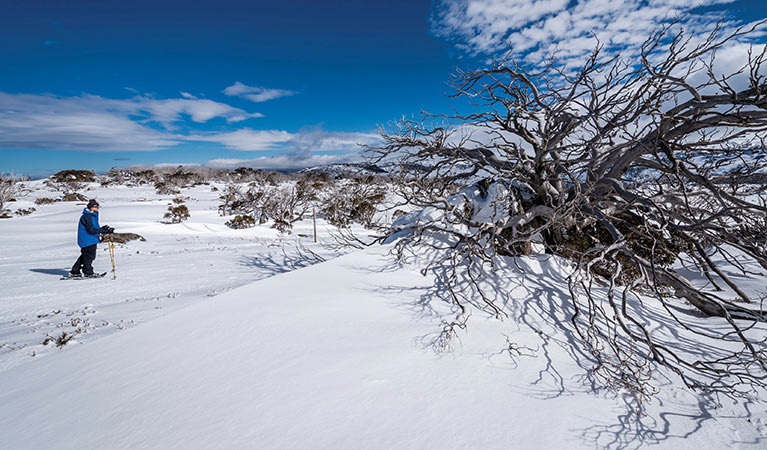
[335,355]
[177,265]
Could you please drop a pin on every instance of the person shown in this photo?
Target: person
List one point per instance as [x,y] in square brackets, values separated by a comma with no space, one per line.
[88,236]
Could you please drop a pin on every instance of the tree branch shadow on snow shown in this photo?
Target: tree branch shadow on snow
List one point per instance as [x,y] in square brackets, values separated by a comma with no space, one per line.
[277,263]
[537,300]
[633,430]
[57,272]
[437,301]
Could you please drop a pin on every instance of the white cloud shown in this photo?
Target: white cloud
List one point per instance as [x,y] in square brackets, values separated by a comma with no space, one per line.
[48,122]
[171,165]
[94,123]
[255,93]
[537,28]
[317,139]
[199,110]
[282,162]
[311,139]
[247,139]
[97,124]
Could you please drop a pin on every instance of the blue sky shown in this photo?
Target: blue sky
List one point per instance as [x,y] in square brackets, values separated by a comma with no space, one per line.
[276,84]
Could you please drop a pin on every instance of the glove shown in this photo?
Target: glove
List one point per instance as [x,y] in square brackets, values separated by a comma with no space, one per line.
[106,229]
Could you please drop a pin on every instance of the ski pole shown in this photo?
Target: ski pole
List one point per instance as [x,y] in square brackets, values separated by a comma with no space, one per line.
[112,256]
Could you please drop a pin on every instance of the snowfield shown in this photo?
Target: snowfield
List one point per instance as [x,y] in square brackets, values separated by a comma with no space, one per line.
[246,352]
[177,265]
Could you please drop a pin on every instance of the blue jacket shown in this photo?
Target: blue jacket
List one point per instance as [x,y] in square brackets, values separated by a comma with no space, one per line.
[88,230]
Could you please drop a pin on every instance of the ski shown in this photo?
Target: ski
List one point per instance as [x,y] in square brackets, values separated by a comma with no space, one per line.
[81,277]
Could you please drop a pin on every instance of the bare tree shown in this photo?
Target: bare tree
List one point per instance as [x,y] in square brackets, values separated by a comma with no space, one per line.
[10,189]
[629,169]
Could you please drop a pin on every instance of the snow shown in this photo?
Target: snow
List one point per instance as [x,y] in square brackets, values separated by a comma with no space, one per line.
[177,265]
[330,356]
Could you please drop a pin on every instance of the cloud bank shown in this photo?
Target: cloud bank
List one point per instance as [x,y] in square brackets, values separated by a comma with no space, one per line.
[535,29]
[94,123]
[141,123]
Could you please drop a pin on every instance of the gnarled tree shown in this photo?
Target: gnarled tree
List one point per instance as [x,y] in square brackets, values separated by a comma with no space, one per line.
[629,169]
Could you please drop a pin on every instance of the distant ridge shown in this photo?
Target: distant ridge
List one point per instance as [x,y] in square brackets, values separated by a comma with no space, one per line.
[346,169]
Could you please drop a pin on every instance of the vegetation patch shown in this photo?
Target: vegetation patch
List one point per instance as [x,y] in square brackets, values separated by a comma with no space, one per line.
[241,221]
[46,201]
[25,212]
[176,214]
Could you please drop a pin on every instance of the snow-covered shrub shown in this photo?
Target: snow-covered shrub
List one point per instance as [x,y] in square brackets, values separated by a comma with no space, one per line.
[74,176]
[128,177]
[241,221]
[68,182]
[176,214]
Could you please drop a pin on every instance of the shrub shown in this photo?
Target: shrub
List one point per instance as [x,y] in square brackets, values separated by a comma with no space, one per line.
[122,238]
[397,214]
[25,212]
[353,202]
[74,176]
[60,340]
[244,174]
[74,197]
[231,195]
[164,188]
[46,201]
[241,221]
[180,178]
[68,182]
[176,214]
[284,205]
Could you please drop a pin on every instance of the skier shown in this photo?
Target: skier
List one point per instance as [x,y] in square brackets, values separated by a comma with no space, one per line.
[88,237]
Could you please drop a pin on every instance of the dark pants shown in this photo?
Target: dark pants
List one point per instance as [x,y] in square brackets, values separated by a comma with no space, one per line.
[85,261]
